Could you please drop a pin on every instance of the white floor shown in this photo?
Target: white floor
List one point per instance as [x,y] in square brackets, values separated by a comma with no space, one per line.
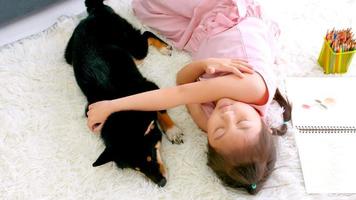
[39,21]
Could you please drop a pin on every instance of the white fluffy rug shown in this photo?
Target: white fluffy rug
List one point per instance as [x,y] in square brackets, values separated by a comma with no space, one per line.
[46,150]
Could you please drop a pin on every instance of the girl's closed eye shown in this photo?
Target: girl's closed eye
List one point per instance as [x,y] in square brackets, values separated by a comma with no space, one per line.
[219,133]
[243,124]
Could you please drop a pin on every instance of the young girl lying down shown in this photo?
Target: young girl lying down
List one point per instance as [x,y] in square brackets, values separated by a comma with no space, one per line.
[227,87]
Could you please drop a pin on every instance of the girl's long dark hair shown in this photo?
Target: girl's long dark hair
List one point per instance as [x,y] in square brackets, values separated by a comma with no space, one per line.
[287,113]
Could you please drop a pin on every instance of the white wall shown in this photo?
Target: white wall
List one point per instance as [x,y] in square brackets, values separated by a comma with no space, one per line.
[40,21]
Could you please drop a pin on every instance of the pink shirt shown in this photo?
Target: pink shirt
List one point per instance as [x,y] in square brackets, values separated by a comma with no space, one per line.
[216,28]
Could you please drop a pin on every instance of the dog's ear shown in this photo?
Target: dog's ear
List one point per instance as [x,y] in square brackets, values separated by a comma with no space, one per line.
[104,157]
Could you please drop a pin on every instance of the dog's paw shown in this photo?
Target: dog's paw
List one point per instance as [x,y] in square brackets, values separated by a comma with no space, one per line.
[166,50]
[175,135]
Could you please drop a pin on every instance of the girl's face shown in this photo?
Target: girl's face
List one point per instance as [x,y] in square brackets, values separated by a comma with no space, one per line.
[232,125]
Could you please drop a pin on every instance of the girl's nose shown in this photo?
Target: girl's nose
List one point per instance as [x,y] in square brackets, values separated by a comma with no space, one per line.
[228,117]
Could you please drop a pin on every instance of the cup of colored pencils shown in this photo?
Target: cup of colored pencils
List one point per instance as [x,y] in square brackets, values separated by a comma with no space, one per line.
[338,49]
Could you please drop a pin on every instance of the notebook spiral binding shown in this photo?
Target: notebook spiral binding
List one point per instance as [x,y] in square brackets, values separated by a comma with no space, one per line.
[326,129]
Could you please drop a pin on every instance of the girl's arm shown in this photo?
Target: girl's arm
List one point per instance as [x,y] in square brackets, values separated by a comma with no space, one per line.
[250,89]
[195,69]
[191,72]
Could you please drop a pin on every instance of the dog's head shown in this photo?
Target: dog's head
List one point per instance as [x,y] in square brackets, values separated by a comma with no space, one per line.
[133,140]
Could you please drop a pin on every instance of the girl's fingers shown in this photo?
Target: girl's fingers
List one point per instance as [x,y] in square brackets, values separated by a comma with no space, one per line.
[239,60]
[94,127]
[244,64]
[97,127]
[89,111]
[246,69]
[223,68]
[238,73]
[210,70]
[92,105]
[89,126]
[236,68]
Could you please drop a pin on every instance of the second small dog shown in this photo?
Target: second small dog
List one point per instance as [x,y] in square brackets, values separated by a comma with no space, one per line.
[103,50]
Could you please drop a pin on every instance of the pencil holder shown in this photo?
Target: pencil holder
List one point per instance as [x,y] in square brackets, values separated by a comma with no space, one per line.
[334,62]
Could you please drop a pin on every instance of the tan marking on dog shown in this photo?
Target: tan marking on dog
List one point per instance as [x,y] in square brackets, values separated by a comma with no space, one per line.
[150,127]
[158,145]
[149,159]
[165,121]
[156,43]
[162,168]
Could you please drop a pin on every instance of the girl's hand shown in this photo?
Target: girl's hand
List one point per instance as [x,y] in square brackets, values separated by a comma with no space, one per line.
[97,114]
[235,66]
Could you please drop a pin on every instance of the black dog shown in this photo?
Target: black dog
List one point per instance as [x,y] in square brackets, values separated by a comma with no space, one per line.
[103,50]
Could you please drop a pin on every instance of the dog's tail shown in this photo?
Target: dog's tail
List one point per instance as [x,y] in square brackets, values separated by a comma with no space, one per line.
[93,4]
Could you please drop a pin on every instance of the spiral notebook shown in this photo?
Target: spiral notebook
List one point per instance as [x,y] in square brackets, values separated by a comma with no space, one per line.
[324,115]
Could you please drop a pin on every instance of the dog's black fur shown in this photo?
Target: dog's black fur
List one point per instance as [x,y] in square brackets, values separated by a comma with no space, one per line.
[101,51]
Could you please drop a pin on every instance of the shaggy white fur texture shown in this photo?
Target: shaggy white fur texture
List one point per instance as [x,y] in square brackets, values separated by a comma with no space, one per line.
[46,149]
